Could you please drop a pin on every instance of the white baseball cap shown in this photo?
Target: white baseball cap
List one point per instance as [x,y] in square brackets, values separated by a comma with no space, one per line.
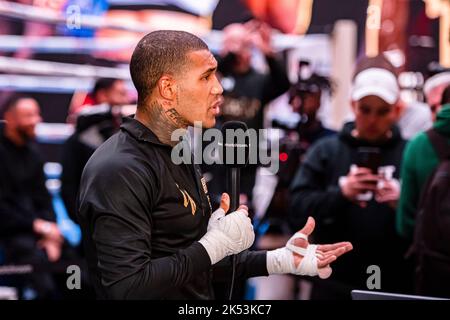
[376,82]
[437,80]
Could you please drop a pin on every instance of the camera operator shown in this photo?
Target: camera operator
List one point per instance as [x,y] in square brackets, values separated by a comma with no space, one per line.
[305,100]
[349,183]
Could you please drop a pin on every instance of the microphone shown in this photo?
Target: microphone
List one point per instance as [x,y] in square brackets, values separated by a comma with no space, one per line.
[236,149]
[235,154]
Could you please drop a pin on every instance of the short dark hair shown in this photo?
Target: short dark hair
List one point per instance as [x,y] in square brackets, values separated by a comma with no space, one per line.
[446,96]
[11,102]
[159,52]
[103,84]
[315,83]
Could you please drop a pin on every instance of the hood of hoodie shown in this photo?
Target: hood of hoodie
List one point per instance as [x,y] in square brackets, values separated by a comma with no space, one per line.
[346,135]
[442,123]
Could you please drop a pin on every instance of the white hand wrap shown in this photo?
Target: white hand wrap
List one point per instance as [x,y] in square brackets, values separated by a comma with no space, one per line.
[281,261]
[227,234]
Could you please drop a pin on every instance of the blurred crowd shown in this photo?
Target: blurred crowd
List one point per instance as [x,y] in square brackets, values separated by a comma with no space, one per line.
[370,182]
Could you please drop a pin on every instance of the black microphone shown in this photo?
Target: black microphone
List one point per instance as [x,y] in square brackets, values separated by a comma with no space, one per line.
[236,150]
[235,154]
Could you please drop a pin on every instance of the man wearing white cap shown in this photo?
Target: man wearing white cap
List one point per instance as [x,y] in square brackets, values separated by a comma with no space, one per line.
[349,184]
[433,89]
[414,116]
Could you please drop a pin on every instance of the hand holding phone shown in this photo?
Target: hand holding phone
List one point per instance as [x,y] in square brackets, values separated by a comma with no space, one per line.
[358,183]
[369,157]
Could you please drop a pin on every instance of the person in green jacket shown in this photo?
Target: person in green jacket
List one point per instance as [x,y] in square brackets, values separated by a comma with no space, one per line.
[419,161]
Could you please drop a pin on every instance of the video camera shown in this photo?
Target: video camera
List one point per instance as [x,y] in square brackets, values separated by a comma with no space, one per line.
[309,82]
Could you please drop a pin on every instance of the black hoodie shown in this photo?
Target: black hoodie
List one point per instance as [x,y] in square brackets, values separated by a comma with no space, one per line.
[315,192]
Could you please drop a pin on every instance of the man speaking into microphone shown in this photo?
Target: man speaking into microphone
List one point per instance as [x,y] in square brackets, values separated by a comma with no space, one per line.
[147,223]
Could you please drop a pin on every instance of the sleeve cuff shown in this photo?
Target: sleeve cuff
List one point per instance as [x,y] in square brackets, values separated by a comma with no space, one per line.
[259,265]
[199,256]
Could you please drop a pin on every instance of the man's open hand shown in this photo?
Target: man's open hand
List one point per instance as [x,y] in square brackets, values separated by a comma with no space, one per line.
[325,253]
[301,258]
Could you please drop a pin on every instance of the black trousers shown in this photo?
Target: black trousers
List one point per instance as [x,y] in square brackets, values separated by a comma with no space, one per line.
[23,250]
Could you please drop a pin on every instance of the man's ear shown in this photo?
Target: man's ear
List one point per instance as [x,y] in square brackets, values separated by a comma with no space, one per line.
[166,87]
[399,106]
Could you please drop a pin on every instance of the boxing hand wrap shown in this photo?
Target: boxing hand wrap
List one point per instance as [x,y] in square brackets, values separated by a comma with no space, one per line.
[227,234]
[281,261]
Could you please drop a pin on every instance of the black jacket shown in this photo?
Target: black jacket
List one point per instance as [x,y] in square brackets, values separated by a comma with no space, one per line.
[315,192]
[93,127]
[248,93]
[23,194]
[141,231]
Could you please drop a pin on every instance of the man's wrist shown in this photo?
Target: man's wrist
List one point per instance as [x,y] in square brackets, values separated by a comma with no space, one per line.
[278,261]
[214,243]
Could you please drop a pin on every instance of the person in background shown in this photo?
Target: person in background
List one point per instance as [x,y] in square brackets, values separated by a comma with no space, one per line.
[349,183]
[110,91]
[246,90]
[434,87]
[304,98]
[94,124]
[413,117]
[423,206]
[28,229]
[419,161]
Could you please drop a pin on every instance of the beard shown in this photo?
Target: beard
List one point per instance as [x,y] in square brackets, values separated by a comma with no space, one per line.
[26,135]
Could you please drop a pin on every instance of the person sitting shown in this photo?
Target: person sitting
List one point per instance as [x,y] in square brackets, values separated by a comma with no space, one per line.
[28,227]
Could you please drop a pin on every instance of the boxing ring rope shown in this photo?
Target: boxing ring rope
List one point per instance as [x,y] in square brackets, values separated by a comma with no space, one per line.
[14,65]
[27,12]
[68,45]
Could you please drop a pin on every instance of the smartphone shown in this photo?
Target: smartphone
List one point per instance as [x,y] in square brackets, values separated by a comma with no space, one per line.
[369,157]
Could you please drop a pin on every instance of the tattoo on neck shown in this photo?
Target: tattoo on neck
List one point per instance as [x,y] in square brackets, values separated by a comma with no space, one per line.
[163,122]
[173,115]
